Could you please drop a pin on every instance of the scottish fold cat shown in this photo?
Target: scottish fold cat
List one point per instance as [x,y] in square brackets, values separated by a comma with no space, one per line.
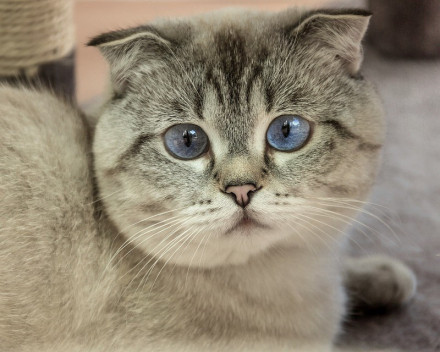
[207,210]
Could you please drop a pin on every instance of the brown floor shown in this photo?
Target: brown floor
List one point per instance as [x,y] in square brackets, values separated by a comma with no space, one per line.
[97,16]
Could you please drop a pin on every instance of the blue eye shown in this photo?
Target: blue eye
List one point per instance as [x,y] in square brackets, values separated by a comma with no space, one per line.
[186,141]
[288,132]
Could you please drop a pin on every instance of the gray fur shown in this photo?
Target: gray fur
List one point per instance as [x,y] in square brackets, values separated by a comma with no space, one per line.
[150,262]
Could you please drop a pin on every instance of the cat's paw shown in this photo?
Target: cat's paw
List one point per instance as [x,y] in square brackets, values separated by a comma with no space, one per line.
[378,282]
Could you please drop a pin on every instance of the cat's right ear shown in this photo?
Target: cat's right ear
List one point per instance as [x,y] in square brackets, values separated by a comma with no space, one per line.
[127,49]
[335,33]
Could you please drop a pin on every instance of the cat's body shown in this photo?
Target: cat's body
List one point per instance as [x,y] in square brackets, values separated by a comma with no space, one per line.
[53,287]
[70,281]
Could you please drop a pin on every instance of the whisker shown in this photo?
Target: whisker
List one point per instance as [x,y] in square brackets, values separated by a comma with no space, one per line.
[152,227]
[169,246]
[203,253]
[335,228]
[161,251]
[347,201]
[363,202]
[360,222]
[307,244]
[140,233]
[208,229]
[195,252]
[179,222]
[148,218]
[210,233]
[334,217]
[299,217]
[152,257]
[189,237]
[350,219]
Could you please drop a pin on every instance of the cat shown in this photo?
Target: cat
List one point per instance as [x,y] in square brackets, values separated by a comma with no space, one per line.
[205,211]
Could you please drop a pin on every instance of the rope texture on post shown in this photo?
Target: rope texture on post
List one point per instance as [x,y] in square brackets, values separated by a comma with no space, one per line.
[33,32]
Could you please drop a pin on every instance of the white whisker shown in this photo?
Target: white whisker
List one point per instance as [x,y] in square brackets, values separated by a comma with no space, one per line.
[169,246]
[140,233]
[189,237]
[179,223]
[360,222]
[334,217]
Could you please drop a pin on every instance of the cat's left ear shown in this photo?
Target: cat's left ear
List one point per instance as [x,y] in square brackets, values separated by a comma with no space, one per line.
[129,48]
[340,33]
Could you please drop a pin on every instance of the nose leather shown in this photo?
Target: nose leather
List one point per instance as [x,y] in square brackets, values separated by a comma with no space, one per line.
[241,193]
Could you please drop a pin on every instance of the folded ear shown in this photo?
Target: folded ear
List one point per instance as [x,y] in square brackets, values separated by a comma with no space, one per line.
[129,48]
[338,32]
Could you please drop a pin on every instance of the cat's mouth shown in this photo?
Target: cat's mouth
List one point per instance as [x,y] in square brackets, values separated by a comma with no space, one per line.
[246,223]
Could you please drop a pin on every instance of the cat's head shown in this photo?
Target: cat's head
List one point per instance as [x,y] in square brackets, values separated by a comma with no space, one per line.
[230,133]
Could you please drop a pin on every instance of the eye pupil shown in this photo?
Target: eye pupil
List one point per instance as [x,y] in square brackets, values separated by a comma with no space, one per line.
[187,138]
[286,128]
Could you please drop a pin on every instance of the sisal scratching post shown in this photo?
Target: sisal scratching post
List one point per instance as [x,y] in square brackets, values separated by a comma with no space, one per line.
[36,43]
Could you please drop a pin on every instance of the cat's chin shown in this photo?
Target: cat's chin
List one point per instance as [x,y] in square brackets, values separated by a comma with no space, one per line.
[246,225]
[236,246]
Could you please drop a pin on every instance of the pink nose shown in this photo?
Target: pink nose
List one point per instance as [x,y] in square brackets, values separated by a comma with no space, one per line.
[241,193]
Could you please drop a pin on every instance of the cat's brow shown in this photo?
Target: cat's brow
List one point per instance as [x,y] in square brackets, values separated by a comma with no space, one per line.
[344,132]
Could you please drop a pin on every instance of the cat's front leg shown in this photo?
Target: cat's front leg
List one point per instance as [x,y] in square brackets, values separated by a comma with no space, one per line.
[378,282]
